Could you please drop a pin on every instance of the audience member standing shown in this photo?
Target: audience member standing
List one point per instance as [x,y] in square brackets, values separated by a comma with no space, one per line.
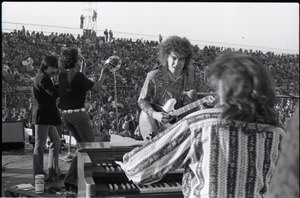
[94,18]
[111,36]
[106,35]
[81,21]
[160,38]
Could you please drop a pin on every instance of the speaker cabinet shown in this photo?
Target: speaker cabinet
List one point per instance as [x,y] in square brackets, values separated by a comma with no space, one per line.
[13,135]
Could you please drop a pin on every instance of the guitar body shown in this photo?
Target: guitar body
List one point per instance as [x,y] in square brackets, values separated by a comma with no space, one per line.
[149,126]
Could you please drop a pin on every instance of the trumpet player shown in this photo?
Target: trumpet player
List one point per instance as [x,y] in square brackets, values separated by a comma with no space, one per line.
[73,85]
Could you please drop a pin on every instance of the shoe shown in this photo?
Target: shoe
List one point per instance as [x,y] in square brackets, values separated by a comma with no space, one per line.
[50,179]
[71,187]
[69,194]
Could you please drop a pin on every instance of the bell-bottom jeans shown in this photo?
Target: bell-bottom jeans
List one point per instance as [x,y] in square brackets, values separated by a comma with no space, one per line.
[80,126]
[41,134]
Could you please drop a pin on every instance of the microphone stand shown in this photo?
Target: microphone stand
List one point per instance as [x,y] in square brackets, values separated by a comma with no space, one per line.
[116,101]
[113,70]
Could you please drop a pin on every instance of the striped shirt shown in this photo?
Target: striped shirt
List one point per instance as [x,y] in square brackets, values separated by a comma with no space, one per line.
[220,159]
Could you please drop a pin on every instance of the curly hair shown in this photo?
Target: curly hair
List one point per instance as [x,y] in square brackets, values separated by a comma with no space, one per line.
[248,89]
[176,44]
[69,58]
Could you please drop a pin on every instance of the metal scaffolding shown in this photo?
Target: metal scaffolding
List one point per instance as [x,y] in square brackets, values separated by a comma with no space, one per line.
[90,17]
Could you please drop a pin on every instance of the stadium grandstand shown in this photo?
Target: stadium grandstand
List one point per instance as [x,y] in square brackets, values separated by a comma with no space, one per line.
[25,45]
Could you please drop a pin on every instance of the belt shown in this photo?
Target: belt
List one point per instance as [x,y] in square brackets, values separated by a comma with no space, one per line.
[73,110]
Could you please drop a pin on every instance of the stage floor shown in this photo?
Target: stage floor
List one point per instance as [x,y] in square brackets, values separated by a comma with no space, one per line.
[17,170]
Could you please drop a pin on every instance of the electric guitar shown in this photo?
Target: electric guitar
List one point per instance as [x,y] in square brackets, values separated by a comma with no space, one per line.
[149,126]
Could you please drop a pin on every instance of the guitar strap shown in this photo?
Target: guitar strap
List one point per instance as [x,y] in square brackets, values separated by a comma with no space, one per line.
[189,78]
[185,79]
[191,73]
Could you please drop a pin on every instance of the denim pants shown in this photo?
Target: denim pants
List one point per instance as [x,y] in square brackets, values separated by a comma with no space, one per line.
[41,134]
[80,126]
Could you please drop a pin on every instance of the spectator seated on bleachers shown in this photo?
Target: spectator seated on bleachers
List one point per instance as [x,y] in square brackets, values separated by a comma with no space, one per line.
[23,51]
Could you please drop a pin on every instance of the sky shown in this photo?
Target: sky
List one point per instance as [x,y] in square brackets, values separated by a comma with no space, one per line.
[259,26]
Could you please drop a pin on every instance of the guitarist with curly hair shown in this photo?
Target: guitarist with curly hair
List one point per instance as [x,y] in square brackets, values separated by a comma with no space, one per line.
[169,86]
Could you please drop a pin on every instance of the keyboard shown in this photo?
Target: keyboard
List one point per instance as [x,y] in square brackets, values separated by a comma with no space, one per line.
[100,176]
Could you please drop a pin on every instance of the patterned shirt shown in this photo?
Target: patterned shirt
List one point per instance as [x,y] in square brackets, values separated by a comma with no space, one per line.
[220,159]
[159,87]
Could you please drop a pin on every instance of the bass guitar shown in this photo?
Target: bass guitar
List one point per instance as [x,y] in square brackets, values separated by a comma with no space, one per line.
[149,126]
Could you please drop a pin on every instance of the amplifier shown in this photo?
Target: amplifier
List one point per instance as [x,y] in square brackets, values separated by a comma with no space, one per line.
[13,135]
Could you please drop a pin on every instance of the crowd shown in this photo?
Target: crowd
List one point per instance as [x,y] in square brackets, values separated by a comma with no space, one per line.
[23,52]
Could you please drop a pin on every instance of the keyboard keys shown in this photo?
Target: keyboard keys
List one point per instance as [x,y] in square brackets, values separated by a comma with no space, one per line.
[160,187]
[110,187]
[117,183]
[119,168]
[133,186]
[121,187]
[116,187]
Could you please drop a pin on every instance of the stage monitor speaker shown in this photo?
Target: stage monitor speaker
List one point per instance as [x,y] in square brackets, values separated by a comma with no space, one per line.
[13,135]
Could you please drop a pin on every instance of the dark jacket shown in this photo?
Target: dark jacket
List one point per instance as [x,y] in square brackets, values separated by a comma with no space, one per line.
[44,101]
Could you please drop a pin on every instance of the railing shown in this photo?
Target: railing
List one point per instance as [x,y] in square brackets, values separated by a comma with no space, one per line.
[48,29]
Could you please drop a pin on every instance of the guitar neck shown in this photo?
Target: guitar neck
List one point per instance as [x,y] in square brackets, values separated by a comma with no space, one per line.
[188,107]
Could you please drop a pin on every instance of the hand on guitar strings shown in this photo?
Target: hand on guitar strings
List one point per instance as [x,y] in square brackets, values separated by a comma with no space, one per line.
[162,117]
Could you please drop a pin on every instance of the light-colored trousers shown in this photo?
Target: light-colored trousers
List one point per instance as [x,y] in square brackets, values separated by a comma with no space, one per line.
[41,134]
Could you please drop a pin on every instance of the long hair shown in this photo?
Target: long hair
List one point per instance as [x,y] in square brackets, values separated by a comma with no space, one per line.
[176,44]
[248,89]
[47,62]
